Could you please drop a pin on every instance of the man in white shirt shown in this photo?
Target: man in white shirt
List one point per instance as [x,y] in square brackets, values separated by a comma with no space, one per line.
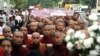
[2,25]
[18,17]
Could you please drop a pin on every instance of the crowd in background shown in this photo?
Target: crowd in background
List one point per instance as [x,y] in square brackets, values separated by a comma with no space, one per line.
[22,34]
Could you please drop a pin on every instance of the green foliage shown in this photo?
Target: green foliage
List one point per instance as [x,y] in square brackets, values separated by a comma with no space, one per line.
[44,3]
[32,2]
[19,3]
[12,1]
[48,3]
[26,3]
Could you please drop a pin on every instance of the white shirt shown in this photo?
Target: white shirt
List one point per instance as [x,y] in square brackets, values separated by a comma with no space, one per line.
[18,18]
[1,28]
[4,18]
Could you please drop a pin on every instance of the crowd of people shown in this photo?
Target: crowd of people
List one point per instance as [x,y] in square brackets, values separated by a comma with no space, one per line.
[25,35]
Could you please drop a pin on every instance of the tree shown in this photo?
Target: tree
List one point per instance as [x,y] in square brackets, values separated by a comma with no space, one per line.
[19,3]
[44,3]
[27,3]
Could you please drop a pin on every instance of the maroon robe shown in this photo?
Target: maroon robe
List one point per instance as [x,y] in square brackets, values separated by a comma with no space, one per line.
[27,41]
[19,50]
[47,40]
[60,50]
[1,51]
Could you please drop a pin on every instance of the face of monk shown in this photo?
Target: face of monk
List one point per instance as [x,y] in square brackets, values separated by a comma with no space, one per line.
[47,30]
[33,26]
[18,38]
[60,26]
[7,47]
[36,38]
[58,38]
[53,28]
[7,31]
[24,30]
[71,23]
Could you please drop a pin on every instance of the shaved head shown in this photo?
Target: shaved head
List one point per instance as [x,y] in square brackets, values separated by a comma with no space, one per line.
[7,31]
[24,30]
[58,37]
[33,26]
[36,34]
[47,27]
[18,32]
[6,28]
[36,38]
[18,37]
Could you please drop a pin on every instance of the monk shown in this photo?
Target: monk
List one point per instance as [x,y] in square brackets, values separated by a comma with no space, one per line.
[27,38]
[48,37]
[6,45]
[18,48]
[7,32]
[59,47]
[37,48]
